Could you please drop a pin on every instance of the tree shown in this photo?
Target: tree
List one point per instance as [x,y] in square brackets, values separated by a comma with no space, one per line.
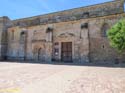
[116,36]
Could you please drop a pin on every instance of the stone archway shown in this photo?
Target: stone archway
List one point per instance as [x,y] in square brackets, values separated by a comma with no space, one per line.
[41,54]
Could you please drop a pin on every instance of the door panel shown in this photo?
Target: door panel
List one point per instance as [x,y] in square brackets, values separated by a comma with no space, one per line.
[66,52]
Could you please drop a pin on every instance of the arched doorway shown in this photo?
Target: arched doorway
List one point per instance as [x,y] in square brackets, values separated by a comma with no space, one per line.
[41,55]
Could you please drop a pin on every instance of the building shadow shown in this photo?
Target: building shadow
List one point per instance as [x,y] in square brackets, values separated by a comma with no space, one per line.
[111,65]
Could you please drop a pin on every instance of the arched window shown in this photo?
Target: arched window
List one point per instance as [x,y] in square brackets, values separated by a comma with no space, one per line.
[49,29]
[49,32]
[104,29]
[22,36]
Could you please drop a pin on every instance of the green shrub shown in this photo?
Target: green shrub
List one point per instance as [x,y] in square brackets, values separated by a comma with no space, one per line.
[116,36]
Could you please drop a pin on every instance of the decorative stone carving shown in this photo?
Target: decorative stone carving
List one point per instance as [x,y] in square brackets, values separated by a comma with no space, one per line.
[64,35]
[34,41]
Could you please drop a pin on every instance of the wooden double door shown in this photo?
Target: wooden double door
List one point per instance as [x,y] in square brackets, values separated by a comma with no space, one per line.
[66,51]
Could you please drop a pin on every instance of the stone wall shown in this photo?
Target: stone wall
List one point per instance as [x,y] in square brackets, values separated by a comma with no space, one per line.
[4,24]
[88,43]
[39,39]
[35,39]
[100,49]
[71,32]
[42,35]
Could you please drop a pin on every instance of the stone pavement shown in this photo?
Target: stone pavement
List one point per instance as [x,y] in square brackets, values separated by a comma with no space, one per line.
[47,78]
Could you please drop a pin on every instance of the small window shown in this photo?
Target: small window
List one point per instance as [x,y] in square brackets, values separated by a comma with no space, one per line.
[22,33]
[86,14]
[49,29]
[12,38]
[105,28]
[85,25]
[56,51]
[22,36]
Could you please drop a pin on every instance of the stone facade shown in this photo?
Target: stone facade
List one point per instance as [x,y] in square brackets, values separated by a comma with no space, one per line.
[4,24]
[43,38]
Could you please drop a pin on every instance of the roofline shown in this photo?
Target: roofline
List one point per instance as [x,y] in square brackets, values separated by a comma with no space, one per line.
[86,18]
[65,10]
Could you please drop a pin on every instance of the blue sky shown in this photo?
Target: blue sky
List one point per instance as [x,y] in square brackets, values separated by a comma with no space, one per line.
[16,9]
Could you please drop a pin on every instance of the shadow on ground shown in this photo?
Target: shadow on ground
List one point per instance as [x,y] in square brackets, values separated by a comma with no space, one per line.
[111,65]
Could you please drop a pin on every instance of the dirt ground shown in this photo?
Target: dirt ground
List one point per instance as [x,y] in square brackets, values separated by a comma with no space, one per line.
[50,78]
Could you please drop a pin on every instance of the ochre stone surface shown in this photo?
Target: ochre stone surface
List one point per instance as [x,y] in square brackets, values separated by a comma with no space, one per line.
[40,38]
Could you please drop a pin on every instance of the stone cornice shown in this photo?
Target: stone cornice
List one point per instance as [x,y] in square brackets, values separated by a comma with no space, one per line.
[99,10]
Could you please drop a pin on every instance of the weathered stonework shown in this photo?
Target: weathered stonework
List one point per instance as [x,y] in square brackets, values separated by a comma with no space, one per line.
[4,24]
[41,38]
[93,11]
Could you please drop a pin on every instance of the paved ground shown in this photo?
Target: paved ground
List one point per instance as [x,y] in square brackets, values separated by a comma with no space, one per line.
[47,78]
